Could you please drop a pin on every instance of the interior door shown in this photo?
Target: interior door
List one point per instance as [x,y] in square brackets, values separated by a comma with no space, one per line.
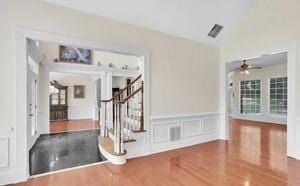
[32,98]
[33,105]
[98,98]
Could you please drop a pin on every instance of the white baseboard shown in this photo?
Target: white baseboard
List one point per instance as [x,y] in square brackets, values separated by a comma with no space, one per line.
[275,120]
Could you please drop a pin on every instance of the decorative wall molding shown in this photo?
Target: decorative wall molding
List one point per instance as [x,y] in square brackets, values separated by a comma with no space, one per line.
[80,111]
[7,156]
[194,129]
[5,152]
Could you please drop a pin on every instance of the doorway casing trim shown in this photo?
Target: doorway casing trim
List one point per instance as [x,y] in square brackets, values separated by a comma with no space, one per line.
[20,166]
[291,49]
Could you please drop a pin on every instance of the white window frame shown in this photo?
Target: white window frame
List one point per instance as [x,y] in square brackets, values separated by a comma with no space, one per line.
[240,92]
[269,97]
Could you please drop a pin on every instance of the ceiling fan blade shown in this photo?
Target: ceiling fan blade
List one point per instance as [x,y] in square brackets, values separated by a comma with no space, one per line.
[254,67]
[236,68]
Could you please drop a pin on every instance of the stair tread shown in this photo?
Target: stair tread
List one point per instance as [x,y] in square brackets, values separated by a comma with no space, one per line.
[108,145]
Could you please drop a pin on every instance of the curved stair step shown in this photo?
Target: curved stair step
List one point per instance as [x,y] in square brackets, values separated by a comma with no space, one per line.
[106,147]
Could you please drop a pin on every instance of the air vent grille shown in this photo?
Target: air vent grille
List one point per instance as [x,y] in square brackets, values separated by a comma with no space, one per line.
[175,133]
[214,32]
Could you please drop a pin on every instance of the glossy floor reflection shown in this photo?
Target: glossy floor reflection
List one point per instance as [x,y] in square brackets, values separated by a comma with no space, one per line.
[254,155]
[259,139]
[64,150]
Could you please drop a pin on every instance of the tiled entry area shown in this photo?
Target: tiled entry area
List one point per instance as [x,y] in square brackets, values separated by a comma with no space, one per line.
[64,150]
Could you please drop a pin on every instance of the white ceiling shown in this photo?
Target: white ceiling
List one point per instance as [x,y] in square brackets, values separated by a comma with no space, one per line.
[262,61]
[191,19]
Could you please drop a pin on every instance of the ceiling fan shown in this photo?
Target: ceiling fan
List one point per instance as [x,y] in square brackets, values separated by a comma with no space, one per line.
[244,68]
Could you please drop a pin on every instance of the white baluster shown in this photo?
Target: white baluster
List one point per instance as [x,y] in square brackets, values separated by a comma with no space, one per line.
[115,128]
[121,130]
[105,120]
[126,120]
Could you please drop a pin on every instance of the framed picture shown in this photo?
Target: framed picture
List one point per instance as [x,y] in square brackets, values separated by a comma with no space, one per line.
[79,91]
[74,55]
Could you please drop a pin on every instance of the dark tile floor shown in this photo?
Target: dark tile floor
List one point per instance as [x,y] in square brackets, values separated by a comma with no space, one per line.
[64,150]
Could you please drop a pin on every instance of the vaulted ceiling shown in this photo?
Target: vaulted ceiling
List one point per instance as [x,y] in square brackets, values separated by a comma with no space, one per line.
[191,19]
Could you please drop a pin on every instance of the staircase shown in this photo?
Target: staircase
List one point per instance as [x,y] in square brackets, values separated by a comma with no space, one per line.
[123,117]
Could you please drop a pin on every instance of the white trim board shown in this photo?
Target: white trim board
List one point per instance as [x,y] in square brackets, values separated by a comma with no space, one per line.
[184,115]
[19,167]
[69,169]
[88,69]
[259,119]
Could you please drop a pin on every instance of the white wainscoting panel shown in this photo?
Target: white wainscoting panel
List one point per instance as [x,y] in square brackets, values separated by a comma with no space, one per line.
[210,125]
[80,111]
[190,128]
[5,149]
[195,129]
[161,131]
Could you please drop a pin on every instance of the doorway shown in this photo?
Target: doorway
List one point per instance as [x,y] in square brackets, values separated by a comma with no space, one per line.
[257,103]
[20,155]
[71,89]
[74,126]
[73,102]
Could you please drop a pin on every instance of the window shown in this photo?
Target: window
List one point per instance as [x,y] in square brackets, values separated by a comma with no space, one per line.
[278,96]
[250,96]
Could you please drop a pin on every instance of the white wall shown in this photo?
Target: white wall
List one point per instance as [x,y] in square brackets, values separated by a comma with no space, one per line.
[119,60]
[77,108]
[119,82]
[264,76]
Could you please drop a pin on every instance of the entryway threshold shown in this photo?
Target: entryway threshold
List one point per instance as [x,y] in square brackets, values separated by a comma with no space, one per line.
[68,169]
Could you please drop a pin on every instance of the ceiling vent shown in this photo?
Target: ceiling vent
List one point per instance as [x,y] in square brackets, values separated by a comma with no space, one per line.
[214,32]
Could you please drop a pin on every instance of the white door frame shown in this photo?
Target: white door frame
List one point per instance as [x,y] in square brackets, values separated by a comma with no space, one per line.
[21,165]
[291,50]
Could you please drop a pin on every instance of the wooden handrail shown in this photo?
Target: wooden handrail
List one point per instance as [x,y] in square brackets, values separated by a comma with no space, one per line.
[131,95]
[122,90]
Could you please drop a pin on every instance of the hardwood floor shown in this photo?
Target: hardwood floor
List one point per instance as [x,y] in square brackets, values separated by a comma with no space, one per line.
[73,125]
[254,155]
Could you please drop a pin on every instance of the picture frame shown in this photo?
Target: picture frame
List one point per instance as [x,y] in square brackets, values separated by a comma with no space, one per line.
[70,54]
[79,91]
